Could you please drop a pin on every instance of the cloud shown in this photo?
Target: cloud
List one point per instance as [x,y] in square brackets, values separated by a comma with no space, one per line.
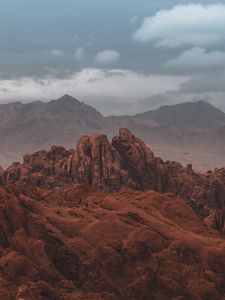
[79,54]
[57,52]
[204,83]
[118,91]
[191,24]
[155,101]
[197,59]
[93,85]
[107,57]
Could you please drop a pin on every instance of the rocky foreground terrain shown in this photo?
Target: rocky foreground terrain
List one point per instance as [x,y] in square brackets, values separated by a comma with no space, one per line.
[109,220]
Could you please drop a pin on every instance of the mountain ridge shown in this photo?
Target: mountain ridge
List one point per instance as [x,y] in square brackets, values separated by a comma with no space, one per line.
[28,127]
[71,102]
[199,114]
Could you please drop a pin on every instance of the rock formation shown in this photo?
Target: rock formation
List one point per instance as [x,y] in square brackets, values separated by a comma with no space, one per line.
[110,221]
[70,243]
[106,166]
[125,162]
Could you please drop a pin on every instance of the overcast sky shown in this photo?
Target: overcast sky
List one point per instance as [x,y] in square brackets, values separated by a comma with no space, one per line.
[121,56]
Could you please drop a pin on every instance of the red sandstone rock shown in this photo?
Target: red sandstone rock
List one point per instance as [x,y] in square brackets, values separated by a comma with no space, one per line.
[110,166]
[63,240]
[135,157]
[96,163]
[71,243]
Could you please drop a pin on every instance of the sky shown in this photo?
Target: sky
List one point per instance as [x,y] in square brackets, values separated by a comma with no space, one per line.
[121,56]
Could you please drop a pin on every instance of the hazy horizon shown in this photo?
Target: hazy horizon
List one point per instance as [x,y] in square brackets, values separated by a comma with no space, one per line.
[101,110]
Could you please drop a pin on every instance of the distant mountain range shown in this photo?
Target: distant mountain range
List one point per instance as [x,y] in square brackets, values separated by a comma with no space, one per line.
[192,132]
[199,114]
[36,125]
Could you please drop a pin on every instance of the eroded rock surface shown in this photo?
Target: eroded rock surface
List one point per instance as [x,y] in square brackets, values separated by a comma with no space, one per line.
[70,243]
[127,161]
[110,221]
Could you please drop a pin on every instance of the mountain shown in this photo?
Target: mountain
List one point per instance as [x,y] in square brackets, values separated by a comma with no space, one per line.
[110,221]
[189,132]
[198,114]
[192,132]
[28,127]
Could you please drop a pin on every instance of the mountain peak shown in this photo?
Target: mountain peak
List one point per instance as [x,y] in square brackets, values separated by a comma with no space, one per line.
[67,98]
[202,102]
[198,114]
[189,104]
[70,104]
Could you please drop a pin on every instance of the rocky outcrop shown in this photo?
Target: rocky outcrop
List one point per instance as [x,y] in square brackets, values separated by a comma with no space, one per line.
[73,244]
[127,161]
[137,158]
[95,161]
[41,168]
[90,223]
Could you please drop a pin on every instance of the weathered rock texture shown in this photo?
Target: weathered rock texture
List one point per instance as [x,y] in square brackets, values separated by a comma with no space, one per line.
[110,166]
[69,243]
[89,223]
